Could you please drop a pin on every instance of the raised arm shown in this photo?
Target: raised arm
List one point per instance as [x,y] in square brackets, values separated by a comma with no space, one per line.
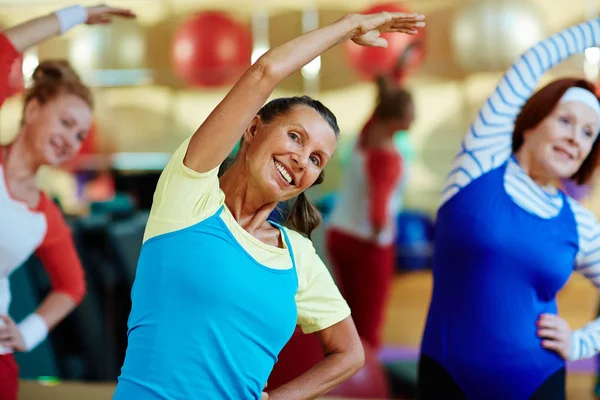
[223,128]
[37,30]
[488,142]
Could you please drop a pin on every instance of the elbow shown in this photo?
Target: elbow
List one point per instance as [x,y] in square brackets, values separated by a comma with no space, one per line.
[79,293]
[76,290]
[355,360]
[358,360]
[265,71]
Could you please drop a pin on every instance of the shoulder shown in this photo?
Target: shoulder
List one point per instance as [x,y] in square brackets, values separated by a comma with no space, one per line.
[588,226]
[302,247]
[583,216]
[57,227]
[305,255]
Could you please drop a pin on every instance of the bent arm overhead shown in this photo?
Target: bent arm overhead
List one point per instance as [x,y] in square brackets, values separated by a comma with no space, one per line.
[488,142]
[235,112]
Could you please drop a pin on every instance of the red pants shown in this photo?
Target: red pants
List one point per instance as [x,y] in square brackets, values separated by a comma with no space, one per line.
[9,377]
[364,273]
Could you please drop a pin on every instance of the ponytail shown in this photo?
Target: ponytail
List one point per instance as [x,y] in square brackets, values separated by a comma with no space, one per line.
[304,217]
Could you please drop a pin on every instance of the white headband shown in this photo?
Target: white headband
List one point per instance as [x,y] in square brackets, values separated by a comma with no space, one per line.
[582,96]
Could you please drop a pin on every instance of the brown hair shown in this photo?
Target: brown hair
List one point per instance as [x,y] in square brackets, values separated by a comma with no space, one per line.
[54,77]
[392,100]
[539,106]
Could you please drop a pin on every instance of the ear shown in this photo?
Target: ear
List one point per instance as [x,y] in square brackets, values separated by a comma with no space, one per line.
[252,129]
[31,110]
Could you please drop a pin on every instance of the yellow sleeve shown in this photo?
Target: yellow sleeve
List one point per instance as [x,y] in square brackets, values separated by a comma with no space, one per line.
[183,197]
[319,301]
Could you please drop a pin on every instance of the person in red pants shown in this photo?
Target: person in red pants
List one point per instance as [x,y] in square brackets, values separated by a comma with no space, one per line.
[56,118]
[361,230]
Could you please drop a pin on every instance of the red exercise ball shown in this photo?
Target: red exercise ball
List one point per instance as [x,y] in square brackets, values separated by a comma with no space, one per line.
[403,52]
[301,353]
[370,382]
[211,49]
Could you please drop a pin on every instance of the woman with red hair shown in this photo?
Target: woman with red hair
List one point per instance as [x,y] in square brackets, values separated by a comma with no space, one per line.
[507,239]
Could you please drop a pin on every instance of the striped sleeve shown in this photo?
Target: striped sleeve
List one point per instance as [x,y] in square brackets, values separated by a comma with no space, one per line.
[488,142]
[586,341]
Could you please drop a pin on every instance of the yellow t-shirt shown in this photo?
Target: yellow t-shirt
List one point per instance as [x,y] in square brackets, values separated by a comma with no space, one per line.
[185,197]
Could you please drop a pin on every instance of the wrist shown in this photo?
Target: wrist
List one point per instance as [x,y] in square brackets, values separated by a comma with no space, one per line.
[33,331]
[575,347]
[351,25]
[70,17]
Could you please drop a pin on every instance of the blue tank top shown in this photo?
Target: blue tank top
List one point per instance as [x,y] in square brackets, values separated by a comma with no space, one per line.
[496,269]
[207,320]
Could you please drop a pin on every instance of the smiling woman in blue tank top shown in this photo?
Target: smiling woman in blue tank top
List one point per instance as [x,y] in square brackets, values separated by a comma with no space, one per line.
[507,240]
[219,289]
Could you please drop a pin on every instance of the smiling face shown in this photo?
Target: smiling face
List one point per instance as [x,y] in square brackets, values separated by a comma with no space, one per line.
[559,145]
[56,129]
[286,156]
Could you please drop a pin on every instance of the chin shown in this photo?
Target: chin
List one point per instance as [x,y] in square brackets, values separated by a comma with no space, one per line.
[53,161]
[561,172]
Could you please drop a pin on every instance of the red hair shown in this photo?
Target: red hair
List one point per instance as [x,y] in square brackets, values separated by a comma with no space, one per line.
[540,106]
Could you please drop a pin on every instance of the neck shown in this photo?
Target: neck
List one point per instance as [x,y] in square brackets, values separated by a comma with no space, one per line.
[249,208]
[19,161]
[377,134]
[527,164]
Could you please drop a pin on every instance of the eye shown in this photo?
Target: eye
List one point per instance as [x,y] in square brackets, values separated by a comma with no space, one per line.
[294,136]
[564,120]
[81,136]
[65,123]
[588,132]
[315,160]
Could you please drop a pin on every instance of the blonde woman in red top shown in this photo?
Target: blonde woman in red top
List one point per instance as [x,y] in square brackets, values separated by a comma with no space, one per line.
[57,112]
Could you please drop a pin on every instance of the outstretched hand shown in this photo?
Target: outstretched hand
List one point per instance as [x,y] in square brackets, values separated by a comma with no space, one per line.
[102,14]
[371,26]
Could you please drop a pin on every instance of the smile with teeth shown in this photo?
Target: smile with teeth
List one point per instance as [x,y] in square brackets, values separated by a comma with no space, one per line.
[284,172]
[59,149]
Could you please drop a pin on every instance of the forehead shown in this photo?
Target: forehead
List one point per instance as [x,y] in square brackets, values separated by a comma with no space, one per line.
[584,113]
[69,105]
[320,133]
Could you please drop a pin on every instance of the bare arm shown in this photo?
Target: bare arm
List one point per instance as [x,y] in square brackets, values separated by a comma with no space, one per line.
[55,307]
[234,114]
[37,30]
[344,356]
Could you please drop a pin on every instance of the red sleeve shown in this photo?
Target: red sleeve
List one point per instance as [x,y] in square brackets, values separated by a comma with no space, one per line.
[8,55]
[384,169]
[59,255]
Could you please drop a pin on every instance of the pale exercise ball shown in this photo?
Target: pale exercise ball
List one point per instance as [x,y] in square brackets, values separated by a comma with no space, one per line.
[117,46]
[489,35]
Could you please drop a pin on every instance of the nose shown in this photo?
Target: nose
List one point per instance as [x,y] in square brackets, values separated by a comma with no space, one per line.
[299,161]
[70,140]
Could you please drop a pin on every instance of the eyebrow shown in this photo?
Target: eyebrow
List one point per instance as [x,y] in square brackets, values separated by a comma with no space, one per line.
[301,127]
